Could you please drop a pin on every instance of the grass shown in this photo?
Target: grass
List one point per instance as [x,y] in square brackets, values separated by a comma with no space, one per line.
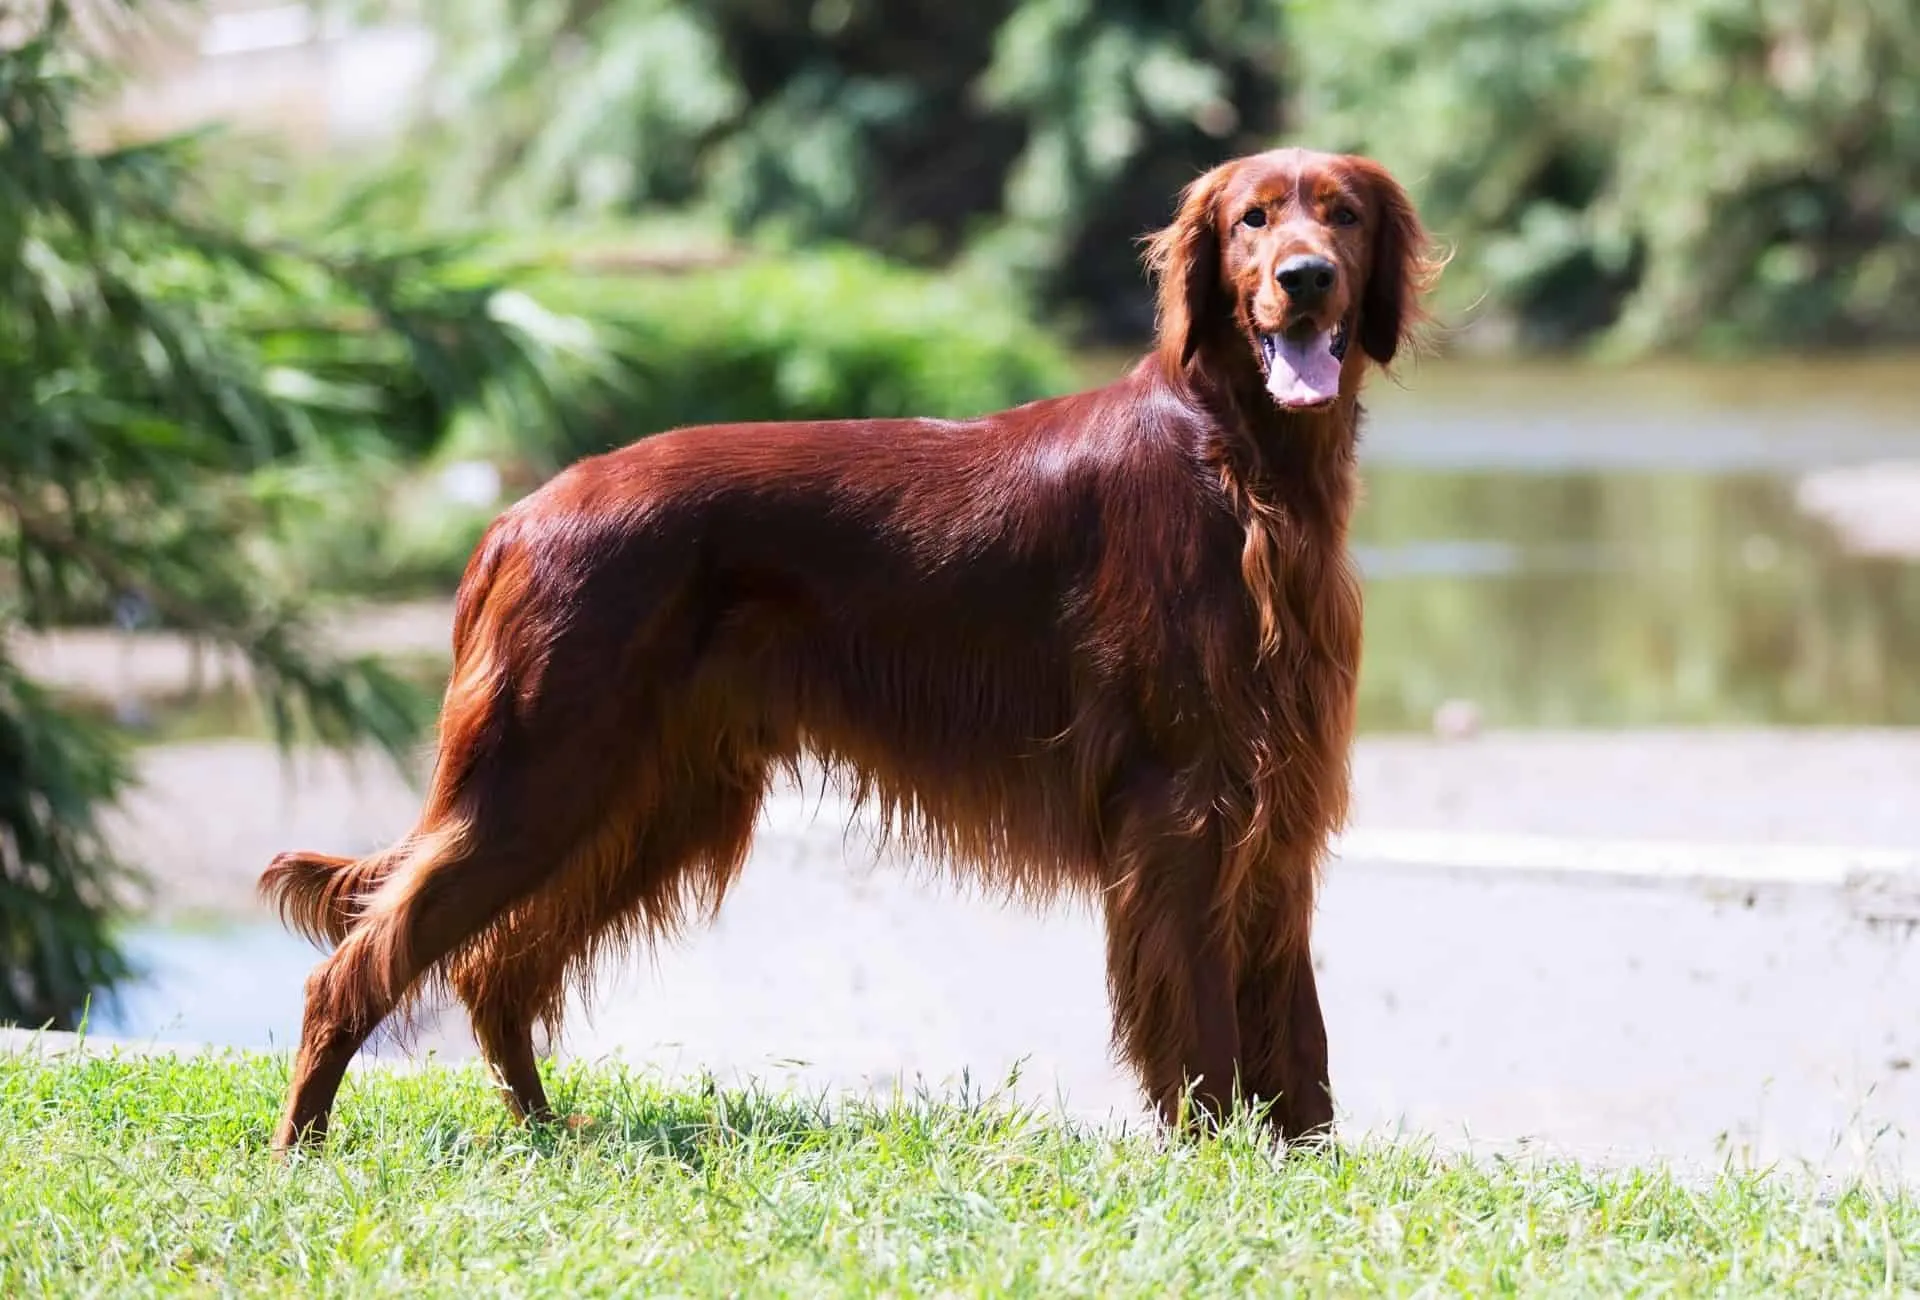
[151,1176]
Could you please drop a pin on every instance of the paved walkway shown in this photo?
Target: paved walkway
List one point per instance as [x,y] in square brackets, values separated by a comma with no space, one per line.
[1583,1018]
[1615,946]
[1701,807]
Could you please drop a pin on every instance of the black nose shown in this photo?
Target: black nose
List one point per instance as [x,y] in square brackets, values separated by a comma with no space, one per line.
[1306,278]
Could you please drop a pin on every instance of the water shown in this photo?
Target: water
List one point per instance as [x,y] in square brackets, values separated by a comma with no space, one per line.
[237,985]
[240,984]
[1568,546]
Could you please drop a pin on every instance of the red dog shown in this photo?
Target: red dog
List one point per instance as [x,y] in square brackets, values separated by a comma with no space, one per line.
[1105,642]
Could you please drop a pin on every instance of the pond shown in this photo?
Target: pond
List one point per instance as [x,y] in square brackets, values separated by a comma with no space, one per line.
[1581,546]
[237,985]
[234,984]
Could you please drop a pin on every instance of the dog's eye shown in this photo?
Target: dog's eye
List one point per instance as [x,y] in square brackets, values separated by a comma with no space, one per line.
[1345,217]
[1256,217]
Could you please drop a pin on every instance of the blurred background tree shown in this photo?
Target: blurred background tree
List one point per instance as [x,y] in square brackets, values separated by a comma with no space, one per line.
[1708,175]
[1049,133]
[1636,173]
[158,377]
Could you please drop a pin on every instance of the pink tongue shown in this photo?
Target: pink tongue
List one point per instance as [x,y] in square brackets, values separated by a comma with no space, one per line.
[1304,373]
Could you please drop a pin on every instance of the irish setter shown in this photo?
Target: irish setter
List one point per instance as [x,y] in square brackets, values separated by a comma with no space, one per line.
[1105,642]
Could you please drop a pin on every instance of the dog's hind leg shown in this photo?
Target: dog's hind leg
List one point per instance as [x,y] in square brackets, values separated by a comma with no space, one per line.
[454,882]
[498,826]
[513,978]
[628,884]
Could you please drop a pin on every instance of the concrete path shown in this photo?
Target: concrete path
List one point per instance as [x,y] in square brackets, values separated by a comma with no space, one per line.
[1693,947]
[1696,807]
[1594,1018]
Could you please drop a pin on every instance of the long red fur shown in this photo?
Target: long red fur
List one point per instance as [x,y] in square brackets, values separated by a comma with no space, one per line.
[1105,642]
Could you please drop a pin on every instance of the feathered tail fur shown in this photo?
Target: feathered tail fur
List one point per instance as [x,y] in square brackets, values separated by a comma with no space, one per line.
[319,895]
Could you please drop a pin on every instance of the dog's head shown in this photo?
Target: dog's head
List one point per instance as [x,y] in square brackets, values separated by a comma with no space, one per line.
[1291,258]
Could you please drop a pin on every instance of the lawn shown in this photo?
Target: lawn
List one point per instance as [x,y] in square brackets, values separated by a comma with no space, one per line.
[151,1176]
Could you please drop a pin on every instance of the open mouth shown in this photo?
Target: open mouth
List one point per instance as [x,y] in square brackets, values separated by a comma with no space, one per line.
[1304,371]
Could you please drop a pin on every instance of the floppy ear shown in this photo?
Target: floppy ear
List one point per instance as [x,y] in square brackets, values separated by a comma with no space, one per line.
[1401,271]
[1185,259]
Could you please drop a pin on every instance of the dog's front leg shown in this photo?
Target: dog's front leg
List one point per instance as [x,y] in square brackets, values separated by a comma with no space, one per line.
[1284,1036]
[1169,970]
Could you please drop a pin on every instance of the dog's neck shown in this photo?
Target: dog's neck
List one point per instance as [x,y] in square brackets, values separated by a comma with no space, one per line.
[1288,479]
[1301,463]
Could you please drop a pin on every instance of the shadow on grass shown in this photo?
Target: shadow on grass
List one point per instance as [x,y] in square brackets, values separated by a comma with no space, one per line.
[690,1122]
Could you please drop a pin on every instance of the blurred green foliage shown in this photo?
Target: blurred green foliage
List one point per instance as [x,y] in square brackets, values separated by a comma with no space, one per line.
[1712,174]
[1044,135]
[1651,173]
[156,372]
[831,332]
[816,335]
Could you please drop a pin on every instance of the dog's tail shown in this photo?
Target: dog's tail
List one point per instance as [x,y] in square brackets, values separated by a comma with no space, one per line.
[319,896]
